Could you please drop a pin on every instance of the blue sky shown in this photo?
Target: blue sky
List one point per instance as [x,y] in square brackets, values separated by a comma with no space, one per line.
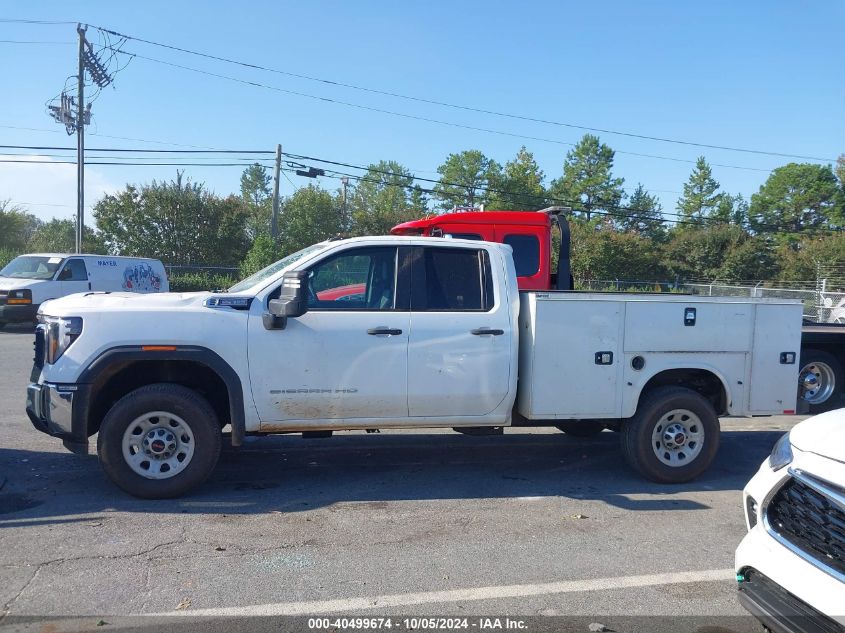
[758,75]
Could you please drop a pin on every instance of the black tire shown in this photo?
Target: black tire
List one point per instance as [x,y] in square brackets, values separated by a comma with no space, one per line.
[637,434]
[581,428]
[185,403]
[825,367]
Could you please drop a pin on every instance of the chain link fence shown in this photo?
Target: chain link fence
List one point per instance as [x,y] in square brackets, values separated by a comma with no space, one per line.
[820,304]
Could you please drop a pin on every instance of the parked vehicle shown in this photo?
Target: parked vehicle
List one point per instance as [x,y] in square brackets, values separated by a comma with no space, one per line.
[821,379]
[436,336]
[29,280]
[791,564]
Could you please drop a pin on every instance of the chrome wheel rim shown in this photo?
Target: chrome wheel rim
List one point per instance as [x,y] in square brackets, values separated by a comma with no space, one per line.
[158,445]
[817,382]
[678,437]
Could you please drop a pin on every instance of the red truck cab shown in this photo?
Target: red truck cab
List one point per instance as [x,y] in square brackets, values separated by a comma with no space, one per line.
[528,233]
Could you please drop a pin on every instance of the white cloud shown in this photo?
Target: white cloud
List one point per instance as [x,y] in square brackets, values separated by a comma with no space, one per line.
[48,190]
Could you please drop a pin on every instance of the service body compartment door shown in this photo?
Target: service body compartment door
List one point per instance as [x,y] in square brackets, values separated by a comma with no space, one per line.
[773,380]
[575,358]
[460,348]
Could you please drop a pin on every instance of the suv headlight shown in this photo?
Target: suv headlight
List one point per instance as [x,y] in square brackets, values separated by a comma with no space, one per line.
[59,335]
[781,454]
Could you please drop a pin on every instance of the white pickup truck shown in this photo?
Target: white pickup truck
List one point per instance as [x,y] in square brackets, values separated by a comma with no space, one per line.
[401,332]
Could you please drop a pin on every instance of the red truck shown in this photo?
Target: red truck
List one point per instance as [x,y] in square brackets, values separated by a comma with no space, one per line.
[821,381]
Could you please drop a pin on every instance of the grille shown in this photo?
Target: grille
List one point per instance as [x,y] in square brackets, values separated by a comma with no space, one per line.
[811,522]
[4,294]
[40,347]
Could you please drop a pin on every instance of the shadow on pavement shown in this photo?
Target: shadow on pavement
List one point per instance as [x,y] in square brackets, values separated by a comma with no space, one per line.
[291,474]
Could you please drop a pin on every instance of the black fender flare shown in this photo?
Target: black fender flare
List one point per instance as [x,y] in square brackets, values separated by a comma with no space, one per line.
[193,353]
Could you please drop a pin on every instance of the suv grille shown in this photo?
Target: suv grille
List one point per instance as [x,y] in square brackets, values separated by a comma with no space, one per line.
[811,522]
[4,294]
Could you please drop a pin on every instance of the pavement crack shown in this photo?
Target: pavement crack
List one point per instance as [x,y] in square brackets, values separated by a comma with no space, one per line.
[8,606]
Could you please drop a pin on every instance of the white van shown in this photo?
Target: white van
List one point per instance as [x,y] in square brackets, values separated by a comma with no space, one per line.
[29,280]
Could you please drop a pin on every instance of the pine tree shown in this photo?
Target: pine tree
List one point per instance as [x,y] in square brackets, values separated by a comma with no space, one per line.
[521,184]
[644,215]
[700,197]
[587,182]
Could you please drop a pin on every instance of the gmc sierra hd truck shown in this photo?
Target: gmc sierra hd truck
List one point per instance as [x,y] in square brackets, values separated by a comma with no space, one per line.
[400,332]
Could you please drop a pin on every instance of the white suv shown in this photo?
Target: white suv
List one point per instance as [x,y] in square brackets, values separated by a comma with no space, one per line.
[791,565]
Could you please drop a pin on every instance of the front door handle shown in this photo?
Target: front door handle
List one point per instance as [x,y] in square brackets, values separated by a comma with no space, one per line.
[484,331]
[375,331]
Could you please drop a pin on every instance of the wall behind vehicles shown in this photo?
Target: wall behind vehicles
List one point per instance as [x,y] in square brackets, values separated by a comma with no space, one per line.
[576,351]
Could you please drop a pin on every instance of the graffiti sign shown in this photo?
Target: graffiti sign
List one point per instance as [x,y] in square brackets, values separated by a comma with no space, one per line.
[141,278]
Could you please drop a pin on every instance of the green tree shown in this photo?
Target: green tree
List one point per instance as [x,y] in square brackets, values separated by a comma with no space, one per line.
[418,201]
[796,197]
[521,184]
[256,193]
[382,199]
[720,251]
[59,236]
[465,179]
[310,215]
[601,253]
[804,260]
[700,197]
[179,222]
[731,210]
[16,226]
[263,253]
[840,170]
[587,182]
[645,215]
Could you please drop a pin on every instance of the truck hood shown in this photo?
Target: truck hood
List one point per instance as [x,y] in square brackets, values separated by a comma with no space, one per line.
[823,435]
[122,301]
[18,283]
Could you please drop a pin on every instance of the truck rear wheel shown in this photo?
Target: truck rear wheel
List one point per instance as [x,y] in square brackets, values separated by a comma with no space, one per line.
[820,380]
[673,437]
[159,441]
[581,428]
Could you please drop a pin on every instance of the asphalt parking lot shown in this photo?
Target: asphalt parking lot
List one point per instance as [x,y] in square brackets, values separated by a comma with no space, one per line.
[529,523]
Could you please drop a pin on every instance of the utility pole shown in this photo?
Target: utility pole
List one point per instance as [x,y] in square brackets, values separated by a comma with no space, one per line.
[80,142]
[274,221]
[345,182]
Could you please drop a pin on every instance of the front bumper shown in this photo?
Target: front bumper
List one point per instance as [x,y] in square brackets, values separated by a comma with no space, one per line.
[788,582]
[60,411]
[18,313]
[780,611]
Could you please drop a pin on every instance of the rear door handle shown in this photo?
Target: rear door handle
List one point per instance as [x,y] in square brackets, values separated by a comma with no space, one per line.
[375,331]
[484,331]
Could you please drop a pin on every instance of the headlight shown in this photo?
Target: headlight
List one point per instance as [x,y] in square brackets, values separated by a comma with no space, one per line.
[781,454]
[19,297]
[59,334]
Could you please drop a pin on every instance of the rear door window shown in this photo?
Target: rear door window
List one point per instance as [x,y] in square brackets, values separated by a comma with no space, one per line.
[452,279]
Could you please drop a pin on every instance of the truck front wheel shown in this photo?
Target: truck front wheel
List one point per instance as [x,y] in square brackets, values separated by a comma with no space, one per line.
[673,437]
[159,441]
[820,380]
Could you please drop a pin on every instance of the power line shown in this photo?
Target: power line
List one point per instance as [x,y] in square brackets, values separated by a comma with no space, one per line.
[140,150]
[417,117]
[34,42]
[465,107]
[22,21]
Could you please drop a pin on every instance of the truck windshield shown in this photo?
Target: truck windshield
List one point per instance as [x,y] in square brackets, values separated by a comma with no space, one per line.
[31,267]
[274,268]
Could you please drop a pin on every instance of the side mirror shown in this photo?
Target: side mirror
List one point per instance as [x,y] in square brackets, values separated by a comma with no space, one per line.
[292,302]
